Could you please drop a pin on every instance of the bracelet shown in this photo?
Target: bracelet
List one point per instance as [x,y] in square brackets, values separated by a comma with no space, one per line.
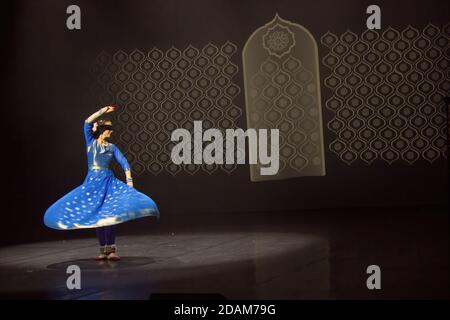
[129,179]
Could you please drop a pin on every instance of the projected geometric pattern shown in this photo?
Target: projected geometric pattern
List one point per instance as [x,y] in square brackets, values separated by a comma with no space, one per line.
[388,89]
[282,92]
[160,91]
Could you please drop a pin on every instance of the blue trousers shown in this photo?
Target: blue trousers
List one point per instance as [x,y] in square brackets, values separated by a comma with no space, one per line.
[106,235]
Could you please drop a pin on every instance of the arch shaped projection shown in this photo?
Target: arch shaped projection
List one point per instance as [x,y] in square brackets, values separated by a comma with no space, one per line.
[282,91]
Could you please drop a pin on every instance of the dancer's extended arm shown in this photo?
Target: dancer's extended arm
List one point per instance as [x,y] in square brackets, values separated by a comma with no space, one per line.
[120,158]
[99,113]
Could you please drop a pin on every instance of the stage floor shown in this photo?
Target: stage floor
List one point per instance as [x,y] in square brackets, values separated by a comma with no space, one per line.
[235,265]
[259,256]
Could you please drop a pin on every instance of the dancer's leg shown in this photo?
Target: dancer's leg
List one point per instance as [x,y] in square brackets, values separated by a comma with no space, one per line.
[110,235]
[110,243]
[101,235]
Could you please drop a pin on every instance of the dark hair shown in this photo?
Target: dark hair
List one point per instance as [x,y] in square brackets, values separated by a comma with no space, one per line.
[102,126]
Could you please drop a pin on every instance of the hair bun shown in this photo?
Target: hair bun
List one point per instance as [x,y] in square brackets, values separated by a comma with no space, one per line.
[104,122]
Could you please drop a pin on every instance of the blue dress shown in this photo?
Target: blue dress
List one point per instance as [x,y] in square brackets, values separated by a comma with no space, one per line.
[102,200]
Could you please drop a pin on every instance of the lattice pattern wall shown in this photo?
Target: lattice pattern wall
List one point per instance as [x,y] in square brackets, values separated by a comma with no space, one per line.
[160,91]
[388,90]
[386,105]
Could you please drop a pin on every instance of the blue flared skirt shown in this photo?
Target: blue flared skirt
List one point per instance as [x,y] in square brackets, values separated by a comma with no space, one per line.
[102,200]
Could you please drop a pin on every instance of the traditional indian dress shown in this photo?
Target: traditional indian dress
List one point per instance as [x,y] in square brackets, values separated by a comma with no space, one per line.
[102,200]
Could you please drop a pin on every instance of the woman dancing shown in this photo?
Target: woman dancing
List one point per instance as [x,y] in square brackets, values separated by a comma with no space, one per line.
[102,201]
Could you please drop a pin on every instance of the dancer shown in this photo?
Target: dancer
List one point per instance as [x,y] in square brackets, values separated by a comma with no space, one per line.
[102,201]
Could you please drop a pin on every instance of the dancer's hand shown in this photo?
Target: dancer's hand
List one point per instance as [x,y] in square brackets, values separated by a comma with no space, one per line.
[108,109]
[129,178]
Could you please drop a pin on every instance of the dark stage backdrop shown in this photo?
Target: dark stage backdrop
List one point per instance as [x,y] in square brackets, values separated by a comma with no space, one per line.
[54,78]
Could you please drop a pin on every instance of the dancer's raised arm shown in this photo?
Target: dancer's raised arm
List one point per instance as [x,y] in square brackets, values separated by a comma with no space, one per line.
[88,126]
[99,113]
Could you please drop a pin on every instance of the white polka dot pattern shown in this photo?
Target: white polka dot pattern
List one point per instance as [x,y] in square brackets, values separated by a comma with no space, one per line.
[101,200]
